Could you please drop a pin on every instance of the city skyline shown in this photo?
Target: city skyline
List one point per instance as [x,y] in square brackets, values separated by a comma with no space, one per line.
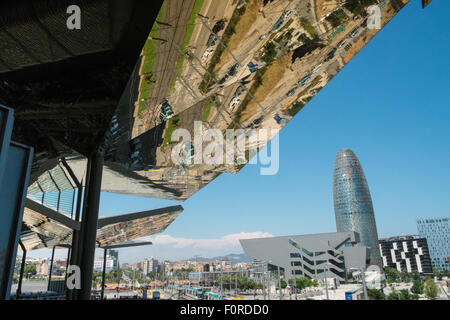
[405,125]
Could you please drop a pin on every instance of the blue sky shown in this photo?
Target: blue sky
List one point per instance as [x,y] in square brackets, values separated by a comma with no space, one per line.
[390,105]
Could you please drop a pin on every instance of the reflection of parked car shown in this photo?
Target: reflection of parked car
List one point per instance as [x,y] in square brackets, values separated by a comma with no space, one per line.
[330,55]
[207,53]
[212,40]
[317,68]
[252,67]
[354,32]
[233,70]
[240,90]
[314,91]
[287,14]
[234,102]
[291,92]
[302,83]
[219,26]
[281,121]
[166,110]
[278,24]
[224,79]
[341,43]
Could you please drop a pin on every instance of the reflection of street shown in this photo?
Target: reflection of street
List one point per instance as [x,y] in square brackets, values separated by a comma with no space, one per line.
[275,57]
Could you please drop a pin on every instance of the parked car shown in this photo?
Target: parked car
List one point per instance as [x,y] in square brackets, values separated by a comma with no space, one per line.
[281,121]
[341,43]
[291,92]
[234,102]
[252,67]
[330,55]
[233,70]
[224,79]
[354,32]
[261,38]
[240,90]
[302,83]
[212,40]
[219,26]
[207,53]
[278,24]
[287,14]
[317,68]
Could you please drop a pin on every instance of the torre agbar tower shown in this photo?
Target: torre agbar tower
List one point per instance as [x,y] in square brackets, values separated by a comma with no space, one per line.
[353,203]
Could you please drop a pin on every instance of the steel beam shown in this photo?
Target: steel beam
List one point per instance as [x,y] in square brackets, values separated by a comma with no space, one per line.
[89,223]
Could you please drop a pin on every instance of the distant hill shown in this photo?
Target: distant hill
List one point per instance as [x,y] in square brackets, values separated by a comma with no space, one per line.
[233,257]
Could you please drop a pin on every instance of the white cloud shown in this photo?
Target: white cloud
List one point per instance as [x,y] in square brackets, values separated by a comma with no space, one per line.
[226,242]
[167,247]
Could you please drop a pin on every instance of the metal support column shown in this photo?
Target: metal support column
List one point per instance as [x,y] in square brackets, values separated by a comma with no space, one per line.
[51,269]
[73,254]
[89,222]
[103,273]
[22,268]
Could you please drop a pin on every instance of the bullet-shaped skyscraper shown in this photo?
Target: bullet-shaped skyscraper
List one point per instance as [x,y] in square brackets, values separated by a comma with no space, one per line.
[353,203]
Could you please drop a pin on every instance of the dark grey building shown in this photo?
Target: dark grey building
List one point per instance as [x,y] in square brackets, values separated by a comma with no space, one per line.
[313,255]
[406,253]
[353,203]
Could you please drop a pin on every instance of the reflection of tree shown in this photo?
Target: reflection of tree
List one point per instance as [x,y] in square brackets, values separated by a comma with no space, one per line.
[307,47]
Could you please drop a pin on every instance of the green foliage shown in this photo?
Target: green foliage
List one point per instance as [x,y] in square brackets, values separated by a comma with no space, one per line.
[404,276]
[404,294]
[174,122]
[304,38]
[375,294]
[304,282]
[296,107]
[183,273]
[417,287]
[337,18]
[393,295]
[149,58]
[96,278]
[30,269]
[270,53]
[114,276]
[246,284]
[430,289]
[190,25]
[358,6]
[415,275]
[440,275]
[392,275]
[207,109]
[283,284]
[304,22]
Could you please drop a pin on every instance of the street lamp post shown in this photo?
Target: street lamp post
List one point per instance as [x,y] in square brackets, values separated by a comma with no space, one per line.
[279,282]
[326,281]
[363,276]
[264,283]
[221,280]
